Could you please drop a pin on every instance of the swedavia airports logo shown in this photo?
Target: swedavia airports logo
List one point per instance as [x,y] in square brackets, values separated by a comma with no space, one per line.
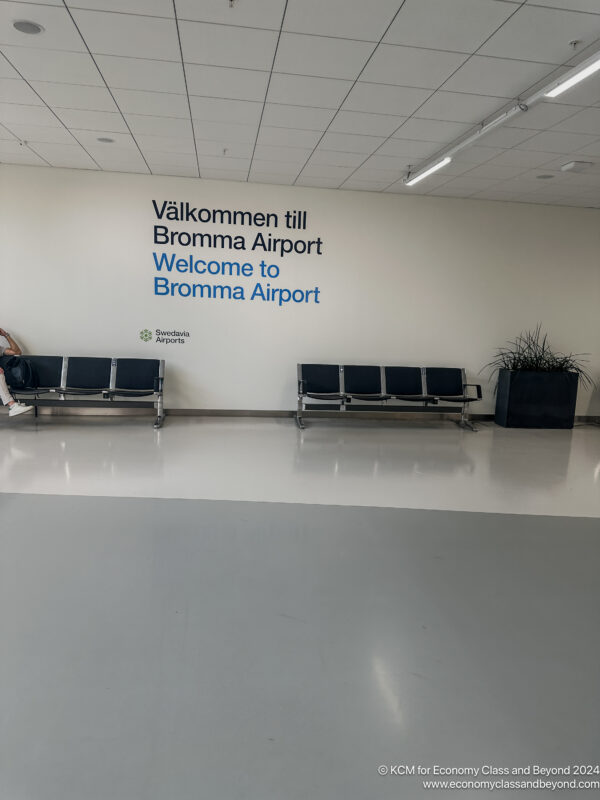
[164,337]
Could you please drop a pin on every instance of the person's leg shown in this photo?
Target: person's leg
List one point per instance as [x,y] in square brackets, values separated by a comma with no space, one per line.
[15,408]
[5,395]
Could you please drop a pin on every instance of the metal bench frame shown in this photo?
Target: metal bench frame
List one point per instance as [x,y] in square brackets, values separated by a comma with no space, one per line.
[342,400]
[108,393]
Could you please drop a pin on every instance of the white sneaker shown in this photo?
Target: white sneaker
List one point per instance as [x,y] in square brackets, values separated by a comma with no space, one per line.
[19,408]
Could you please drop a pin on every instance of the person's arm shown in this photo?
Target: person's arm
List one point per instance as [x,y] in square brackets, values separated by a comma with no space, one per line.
[13,348]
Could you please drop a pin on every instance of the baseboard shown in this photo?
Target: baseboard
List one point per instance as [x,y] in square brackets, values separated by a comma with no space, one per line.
[106,410]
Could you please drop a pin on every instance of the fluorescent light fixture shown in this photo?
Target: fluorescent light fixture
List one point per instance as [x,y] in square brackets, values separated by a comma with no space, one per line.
[575,78]
[428,172]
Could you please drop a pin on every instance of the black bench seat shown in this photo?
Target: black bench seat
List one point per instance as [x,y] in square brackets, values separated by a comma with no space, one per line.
[73,378]
[385,388]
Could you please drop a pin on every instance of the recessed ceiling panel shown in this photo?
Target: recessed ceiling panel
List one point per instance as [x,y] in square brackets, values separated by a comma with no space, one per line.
[348,20]
[461,26]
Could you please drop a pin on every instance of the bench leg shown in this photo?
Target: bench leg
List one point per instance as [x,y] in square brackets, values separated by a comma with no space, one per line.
[464,421]
[160,413]
[298,416]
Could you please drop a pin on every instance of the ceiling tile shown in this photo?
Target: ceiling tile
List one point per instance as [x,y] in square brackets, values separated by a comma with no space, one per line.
[9,147]
[380,167]
[592,149]
[137,168]
[41,133]
[587,121]
[159,126]
[227,46]
[225,149]
[213,162]
[50,65]
[158,159]
[476,154]
[258,14]
[25,156]
[6,71]
[118,159]
[367,21]
[92,120]
[364,186]
[291,155]
[464,186]
[498,77]
[269,177]
[321,56]
[336,159]
[542,116]
[59,32]
[522,158]
[64,155]
[361,122]
[277,167]
[411,66]
[428,23]
[225,132]
[6,135]
[349,143]
[408,147]
[159,104]
[457,107]
[123,142]
[15,90]
[65,95]
[129,35]
[494,171]
[225,82]
[541,34]
[557,142]
[142,74]
[307,91]
[318,183]
[178,172]
[324,171]
[27,115]
[167,144]
[153,8]
[382,99]
[214,109]
[224,174]
[288,136]
[432,130]
[300,117]
[506,137]
[389,175]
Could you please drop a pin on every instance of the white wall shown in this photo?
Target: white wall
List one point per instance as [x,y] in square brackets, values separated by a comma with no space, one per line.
[403,280]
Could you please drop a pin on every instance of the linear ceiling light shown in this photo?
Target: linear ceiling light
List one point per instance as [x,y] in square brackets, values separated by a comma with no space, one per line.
[553,89]
[434,168]
[575,76]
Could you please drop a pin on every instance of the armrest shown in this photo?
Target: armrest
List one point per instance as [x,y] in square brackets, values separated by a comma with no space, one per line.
[475,386]
[300,386]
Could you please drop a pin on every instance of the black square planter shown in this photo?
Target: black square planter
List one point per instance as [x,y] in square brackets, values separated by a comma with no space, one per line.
[536,399]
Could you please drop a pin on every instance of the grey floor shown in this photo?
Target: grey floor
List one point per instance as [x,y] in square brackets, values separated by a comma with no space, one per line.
[188,649]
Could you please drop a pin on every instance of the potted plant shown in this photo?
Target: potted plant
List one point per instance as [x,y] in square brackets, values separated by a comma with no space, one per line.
[537,387]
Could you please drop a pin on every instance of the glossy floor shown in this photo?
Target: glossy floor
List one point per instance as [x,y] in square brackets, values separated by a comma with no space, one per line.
[189,649]
[429,465]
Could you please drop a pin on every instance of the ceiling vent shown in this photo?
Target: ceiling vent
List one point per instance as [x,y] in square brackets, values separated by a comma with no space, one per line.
[577,166]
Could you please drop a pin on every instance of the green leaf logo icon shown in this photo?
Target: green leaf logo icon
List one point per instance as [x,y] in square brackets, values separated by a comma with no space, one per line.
[146,335]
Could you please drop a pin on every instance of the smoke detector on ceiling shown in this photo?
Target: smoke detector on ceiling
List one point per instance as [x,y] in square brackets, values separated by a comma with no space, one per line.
[577,166]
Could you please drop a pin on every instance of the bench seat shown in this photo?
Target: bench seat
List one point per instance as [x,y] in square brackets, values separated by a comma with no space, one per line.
[346,386]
